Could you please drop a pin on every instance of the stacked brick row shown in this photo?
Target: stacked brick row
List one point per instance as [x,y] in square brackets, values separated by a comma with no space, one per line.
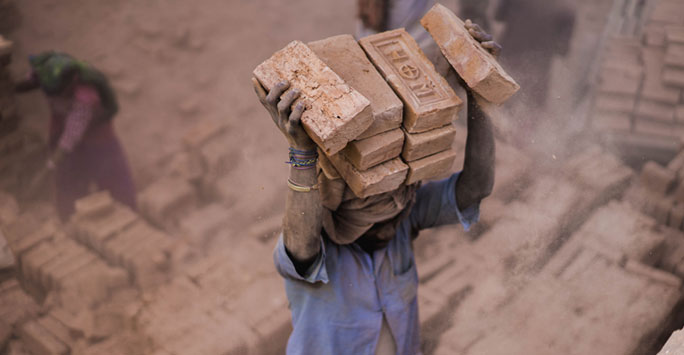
[642,79]
[120,237]
[238,306]
[377,136]
[659,192]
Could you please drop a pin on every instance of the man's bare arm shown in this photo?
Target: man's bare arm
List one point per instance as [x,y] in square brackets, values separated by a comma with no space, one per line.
[302,221]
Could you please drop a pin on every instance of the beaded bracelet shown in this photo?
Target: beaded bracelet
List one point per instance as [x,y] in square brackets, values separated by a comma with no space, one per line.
[299,188]
[303,159]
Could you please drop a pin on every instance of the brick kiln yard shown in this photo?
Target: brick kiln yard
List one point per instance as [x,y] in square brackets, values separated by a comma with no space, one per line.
[576,252]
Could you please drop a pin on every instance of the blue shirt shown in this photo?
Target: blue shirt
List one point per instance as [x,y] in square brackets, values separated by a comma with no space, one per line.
[338,305]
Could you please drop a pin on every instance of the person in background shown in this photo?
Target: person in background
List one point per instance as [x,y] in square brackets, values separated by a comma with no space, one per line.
[83,148]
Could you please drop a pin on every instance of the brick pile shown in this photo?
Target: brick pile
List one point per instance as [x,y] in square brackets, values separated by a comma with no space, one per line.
[407,134]
[639,97]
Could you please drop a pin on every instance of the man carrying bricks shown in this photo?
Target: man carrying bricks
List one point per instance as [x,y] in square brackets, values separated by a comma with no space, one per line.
[350,274]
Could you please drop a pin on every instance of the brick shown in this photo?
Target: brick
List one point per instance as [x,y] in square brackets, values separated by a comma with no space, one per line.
[429,101]
[70,267]
[202,133]
[39,341]
[679,113]
[34,259]
[95,233]
[420,145]
[674,55]
[653,273]
[620,79]
[611,121]
[367,153]
[116,249]
[615,103]
[436,165]
[668,11]
[656,178]
[94,205]
[673,77]
[69,251]
[95,284]
[346,58]
[675,34]
[676,216]
[478,68]
[24,243]
[56,328]
[655,110]
[336,113]
[167,199]
[657,128]
[201,225]
[653,87]
[378,179]
[327,167]
[654,35]
[674,345]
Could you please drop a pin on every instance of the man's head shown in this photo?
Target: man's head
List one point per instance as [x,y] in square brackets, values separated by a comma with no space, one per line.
[55,71]
[376,217]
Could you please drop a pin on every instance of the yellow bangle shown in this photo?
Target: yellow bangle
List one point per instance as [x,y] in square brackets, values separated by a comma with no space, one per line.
[300,188]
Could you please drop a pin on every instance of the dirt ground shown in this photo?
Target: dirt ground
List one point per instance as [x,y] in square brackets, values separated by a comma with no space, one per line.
[175,63]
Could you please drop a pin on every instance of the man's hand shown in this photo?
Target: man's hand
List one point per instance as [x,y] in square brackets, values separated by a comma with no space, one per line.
[287,119]
[486,40]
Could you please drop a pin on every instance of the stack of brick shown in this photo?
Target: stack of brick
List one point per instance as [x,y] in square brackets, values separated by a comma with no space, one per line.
[16,306]
[589,278]
[640,83]
[659,192]
[377,136]
[121,238]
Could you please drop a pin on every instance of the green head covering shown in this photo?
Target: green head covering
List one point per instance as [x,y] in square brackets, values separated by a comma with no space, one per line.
[55,70]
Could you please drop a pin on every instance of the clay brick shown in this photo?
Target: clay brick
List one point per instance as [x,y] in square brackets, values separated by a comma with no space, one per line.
[95,233]
[56,328]
[656,178]
[166,199]
[620,79]
[653,87]
[655,110]
[675,34]
[673,76]
[336,113]
[68,268]
[95,283]
[202,133]
[429,101]
[378,179]
[674,56]
[94,205]
[327,167]
[34,259]
[367,153]
[676,216]
[436,165]
[615,103]
[658,128]
[668,11]
[27,242]
[653,273]
[69,251]
[346,58]
[612,121]
[420,145]
[654,35]
[478,68]
[201,225]
[39,341]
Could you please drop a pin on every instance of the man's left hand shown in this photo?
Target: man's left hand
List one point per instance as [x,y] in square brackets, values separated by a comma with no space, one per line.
[486,40]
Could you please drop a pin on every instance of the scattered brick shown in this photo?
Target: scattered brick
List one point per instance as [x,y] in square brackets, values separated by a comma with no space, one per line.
[478,68]
[673,76]
[654,35]
[39,341]
[430,167]
[668,11]
[346,58]
[675,34]
[658,128]
[674,56]
[367,153]
[95,232]
[167,199]
[378,179]
[94,205]
[656,178]
[336,113]
[653,87]
[611,121]
[615,103]
[655,110]
[429,101]
[420,145]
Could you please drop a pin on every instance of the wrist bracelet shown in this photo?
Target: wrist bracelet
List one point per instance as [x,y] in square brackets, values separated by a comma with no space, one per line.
[303,159]
[300,188]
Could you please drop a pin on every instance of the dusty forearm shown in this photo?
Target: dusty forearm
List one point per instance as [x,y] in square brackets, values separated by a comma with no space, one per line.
[302,221]
[477,179]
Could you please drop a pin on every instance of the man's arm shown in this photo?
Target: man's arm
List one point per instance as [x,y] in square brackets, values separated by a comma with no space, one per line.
[303,209]
[477,178]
